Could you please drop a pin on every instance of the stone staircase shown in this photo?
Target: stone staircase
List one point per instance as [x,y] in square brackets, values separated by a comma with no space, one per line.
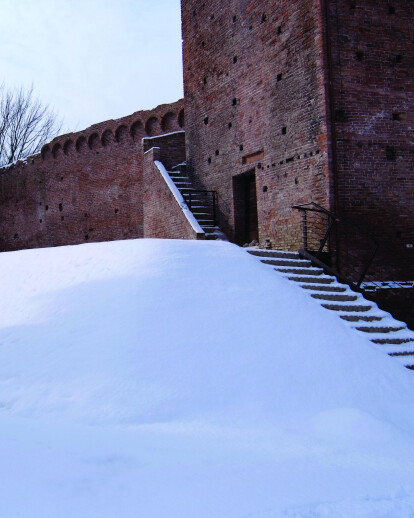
[201,203]
[364,316]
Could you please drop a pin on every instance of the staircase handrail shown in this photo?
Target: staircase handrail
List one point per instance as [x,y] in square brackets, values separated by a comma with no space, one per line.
[333,220]
[214,201]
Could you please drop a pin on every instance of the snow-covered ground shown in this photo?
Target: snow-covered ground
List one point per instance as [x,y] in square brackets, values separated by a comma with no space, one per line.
[184,379]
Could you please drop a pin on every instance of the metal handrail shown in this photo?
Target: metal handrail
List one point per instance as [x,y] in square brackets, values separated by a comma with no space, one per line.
[332,222]
[214,198]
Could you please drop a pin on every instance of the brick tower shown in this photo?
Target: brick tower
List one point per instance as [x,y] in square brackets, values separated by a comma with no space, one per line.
[296,101]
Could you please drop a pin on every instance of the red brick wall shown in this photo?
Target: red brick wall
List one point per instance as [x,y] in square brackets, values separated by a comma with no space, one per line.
[255,85]
[163,216]
[171,148]
[83,187]
[371,48]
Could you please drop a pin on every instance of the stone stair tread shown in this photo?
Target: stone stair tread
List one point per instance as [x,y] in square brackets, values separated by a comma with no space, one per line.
[340,297]
[328,289]
[378,329]
[273,253]
[301,263]
[399,350]
[361,318]
[300,271]
[321,279]
[392,339]
[348,307]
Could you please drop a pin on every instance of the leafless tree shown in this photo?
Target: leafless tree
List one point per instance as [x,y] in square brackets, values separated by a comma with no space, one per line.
[25,124]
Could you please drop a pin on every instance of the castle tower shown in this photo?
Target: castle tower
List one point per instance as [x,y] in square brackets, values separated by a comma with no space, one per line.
[291,102]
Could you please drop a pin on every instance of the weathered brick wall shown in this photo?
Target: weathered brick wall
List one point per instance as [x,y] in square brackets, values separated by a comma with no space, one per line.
[171,148]
[255,101]
[83,187]
[163,216]
[371,49]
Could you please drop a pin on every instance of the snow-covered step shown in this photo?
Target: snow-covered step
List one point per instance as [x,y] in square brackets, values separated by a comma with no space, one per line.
[322,279]
[361,318]
[405,360]
[347,307]
[301,263]
[200,205]
[274,253]
[355,311]
[300,271]
[328,288]
[393,340]
[378,329]
[335,297]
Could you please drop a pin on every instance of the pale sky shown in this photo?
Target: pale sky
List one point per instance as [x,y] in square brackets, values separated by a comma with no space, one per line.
[93,60]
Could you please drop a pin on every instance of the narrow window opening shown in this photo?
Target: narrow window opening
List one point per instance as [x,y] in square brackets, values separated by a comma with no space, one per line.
[265,188]
[264,17]
[284,130]
[391,153]
[391,9]
[206,121]
[47,207]
[398,58]
[116,211]
[241,147]
[396,117]
[234,19]
[209,160]
[234,101]
[217,152]
[205,80]
[279,29]
[359,55]
[60,207]
[203,44]
[279,77]
[341,115]
[86,237]
[230,125]
[235,60]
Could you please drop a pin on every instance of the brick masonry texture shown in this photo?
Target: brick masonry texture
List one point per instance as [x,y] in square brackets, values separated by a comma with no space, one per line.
[316,99]
[163,217]
[371,54]
[84,186]
[255,102]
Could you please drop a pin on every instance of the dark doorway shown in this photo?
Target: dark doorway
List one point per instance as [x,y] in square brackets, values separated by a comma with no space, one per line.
[245,208]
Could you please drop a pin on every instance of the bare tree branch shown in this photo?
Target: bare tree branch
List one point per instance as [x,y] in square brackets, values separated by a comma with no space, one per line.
[25,124]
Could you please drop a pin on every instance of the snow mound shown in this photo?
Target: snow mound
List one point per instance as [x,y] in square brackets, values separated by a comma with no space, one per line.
[184,378]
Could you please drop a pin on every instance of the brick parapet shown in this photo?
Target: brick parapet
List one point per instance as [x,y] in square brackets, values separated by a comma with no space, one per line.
[84,186]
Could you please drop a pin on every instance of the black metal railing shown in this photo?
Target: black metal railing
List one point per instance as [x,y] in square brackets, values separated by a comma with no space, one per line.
[207,200]
[321,231]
